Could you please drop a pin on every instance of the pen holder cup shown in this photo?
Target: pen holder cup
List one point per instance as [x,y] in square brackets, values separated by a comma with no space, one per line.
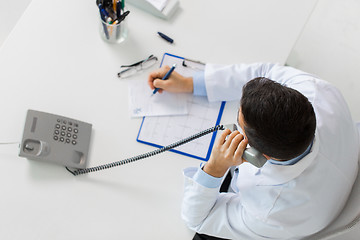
[113,33]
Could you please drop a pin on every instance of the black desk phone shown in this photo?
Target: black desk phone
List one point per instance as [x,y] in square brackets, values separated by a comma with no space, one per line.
[65,141]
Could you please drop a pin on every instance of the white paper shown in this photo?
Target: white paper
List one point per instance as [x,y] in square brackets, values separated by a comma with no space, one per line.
[202,115]
[143,103]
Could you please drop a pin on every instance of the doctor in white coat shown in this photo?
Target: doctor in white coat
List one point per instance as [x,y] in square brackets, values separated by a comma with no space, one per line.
[294,194]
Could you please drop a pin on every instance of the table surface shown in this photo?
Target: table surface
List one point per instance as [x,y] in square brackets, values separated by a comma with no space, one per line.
[55,61]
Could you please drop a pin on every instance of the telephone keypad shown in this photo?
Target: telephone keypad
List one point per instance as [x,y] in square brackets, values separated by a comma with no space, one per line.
[66,131]
[49,137]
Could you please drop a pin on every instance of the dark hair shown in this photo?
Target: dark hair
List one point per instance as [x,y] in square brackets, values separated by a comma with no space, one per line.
[279,121]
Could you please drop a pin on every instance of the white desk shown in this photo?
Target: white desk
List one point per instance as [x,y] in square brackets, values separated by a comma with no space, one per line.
[10,13]
[55,61]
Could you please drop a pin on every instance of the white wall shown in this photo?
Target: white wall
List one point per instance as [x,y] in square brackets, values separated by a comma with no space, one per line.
[330,48]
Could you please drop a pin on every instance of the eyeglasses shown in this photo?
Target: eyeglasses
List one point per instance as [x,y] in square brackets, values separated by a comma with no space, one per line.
[129,70]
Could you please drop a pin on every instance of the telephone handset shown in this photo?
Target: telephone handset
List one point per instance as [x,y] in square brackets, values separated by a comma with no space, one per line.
[250,154]
[66,141]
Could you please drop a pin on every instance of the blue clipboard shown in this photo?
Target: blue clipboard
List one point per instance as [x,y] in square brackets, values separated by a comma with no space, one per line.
[220,112]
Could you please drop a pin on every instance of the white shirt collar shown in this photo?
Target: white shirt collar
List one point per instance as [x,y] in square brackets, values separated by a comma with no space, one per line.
[271,174]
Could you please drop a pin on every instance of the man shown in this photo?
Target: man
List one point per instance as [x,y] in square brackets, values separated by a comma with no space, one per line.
[302,126]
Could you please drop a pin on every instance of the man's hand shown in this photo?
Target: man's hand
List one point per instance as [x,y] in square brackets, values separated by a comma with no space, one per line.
[226,153]
[175,83]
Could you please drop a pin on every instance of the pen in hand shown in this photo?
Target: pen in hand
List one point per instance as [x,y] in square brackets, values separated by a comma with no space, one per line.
[167,75]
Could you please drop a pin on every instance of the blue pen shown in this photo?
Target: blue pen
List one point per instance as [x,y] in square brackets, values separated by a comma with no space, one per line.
[167,38]
[103,15]
[167,75]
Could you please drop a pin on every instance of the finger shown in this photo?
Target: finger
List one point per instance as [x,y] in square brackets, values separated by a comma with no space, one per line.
[159,91]
[161,84]
[160,72]
[150,82]
[235,143]
[230,138]
[157,74]
[223,136]
[152,76]
[241,148]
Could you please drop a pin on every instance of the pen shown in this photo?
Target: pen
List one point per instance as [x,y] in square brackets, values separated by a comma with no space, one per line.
[114,5]
[103,17]
[170,40]
[102,12]
[118,9]
[123,16]
[167,75]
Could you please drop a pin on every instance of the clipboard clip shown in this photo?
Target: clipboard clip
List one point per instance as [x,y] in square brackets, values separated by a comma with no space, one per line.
[187,60]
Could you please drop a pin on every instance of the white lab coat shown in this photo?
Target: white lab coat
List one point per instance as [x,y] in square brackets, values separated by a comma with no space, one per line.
[279,202]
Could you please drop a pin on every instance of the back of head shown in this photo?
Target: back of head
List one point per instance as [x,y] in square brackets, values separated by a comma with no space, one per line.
[279,121]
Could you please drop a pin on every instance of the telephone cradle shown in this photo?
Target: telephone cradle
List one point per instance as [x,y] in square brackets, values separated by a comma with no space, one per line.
[56,139]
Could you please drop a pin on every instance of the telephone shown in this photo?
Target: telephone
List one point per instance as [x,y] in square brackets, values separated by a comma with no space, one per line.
[250,154]
[65,141]
[56,139]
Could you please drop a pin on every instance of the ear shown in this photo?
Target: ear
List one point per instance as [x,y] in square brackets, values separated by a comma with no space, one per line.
[266,156]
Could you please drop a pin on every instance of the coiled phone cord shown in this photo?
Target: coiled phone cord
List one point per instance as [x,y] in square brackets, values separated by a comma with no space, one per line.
[148,154]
